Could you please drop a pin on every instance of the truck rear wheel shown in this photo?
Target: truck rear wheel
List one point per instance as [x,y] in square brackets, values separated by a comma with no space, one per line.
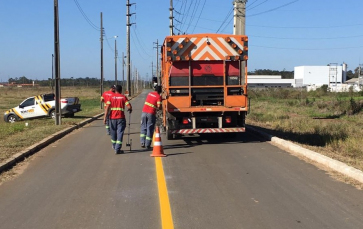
[169,135]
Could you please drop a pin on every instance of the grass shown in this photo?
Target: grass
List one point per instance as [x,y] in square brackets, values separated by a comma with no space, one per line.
[15,137]
[328,123]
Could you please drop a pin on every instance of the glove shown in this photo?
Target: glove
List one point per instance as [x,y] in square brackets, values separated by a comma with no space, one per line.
[130,111]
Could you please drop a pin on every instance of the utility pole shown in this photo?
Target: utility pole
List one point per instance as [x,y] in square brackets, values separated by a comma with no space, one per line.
[360,75]
[171,18]
[115,61]
[152,74]
[137,81]
[128,24]
[239,24]
[58,119]
[101,83]
[152,70]
[239,28]
[123,71]
[157,61]
[52,73]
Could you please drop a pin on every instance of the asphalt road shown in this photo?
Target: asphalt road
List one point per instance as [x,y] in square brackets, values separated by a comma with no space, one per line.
[214,183]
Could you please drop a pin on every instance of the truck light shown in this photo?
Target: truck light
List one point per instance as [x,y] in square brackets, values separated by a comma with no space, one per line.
[186,57]
[227,39]
[245,57]
[177,58]
[175,52]
[236,57]
[169,58]
[228,119]
[181,46]
[169,39]
[240,51]
[186,40]
[168,49]
[185,120]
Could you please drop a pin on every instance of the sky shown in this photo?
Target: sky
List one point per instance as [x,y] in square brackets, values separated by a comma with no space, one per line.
[282,34]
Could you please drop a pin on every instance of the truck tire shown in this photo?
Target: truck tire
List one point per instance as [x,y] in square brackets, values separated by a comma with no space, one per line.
[11,118]
[169,135]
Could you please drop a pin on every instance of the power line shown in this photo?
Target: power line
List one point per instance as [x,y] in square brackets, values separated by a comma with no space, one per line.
[250,5]
[137,49]
[85,16]
[306,27]
[184,15]
[279,7]
[228,15]
[195,9]
[307,49]
[199,15]
[230,21]
[137,38]
[306,38]
[107,41]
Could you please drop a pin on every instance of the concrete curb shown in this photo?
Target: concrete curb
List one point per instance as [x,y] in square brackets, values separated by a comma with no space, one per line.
[18,157]
[324,160]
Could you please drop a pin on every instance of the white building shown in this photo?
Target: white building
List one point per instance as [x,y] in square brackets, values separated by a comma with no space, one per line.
[311,77]
[320,75]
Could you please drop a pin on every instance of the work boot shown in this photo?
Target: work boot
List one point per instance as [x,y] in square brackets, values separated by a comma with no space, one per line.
[119,151]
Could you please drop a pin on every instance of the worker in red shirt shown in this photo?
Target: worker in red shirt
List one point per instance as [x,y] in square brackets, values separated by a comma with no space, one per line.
[115,107]
[148,117]
[104,98]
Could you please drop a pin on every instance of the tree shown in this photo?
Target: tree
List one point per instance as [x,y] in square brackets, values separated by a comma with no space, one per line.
[350,75]
[284,74]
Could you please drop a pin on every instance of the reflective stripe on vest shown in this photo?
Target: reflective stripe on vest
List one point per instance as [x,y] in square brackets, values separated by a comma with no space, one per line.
[151,105]
[117,109]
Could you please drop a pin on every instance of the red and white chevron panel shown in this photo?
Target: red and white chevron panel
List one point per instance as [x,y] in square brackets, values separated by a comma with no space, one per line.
[208,48]
[208,130]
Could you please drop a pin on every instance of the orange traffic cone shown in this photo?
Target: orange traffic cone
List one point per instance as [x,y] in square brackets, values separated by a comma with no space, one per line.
[157,147]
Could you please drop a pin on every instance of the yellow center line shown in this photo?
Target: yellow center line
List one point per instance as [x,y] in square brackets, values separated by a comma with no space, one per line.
[166,217]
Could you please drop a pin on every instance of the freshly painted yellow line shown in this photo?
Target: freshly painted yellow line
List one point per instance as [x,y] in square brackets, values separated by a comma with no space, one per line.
[166,218]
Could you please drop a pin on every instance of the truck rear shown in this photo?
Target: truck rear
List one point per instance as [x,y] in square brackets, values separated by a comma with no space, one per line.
[204,82]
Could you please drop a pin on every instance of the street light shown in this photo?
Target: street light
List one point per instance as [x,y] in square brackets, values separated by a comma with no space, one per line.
[115,60]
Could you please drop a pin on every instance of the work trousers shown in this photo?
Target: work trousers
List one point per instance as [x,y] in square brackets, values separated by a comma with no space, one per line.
[117,128]
[147,128]
[108,124]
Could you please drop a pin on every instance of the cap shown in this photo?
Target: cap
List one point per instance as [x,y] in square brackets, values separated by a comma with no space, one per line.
[113,87]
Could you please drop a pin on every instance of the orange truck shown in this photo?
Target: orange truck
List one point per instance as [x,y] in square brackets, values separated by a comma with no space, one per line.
[204,84]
